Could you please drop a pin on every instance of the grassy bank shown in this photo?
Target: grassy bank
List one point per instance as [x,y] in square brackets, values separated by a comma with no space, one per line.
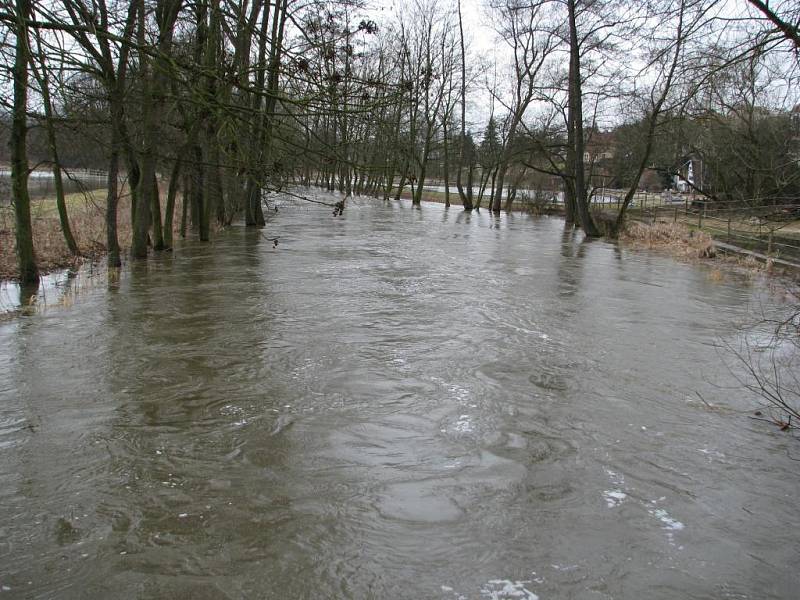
[677,238]
[88,226]
[684,243]
[86,212]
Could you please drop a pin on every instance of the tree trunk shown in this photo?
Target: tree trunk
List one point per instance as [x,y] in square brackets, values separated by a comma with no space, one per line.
[426,149]
[112,185]
[144,200]
[790,31]
[185,200]
[155,214]
[446,166]
[511,195]
[59,184]
[576,108]
[469,201]
[466,199]
[497,186]
[215,197]
[568,175]
[26,260]
[172,192]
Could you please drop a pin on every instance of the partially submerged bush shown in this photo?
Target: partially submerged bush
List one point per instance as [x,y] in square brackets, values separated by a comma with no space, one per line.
[674,236]
[769,351]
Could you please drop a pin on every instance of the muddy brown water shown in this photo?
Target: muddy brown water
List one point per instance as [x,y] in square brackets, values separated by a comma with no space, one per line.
[394,404]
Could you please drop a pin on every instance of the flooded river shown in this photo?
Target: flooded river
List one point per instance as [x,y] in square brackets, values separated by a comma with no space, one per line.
[395,404]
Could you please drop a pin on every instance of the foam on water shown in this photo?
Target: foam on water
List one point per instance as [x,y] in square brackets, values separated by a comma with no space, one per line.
[614,497]
[617,496]
[464,424]
[668,521]
[505,589]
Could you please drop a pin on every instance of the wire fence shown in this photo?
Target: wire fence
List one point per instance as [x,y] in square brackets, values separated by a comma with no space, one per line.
[41,184]
[770,230]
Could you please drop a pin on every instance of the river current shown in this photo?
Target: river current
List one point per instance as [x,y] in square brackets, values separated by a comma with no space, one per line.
[394,404]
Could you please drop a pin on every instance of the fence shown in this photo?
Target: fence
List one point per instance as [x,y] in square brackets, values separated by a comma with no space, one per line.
[772,230]
[41,184]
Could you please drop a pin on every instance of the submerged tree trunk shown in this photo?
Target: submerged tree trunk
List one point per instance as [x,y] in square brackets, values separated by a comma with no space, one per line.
[112,188]
[254,216]
[469,202]
[172,192]
[511,195]
[576,108]
[26,260]
[155,215]
[497,186]
[466,199]
[143,202]
[185,199]
[446,166]
[417,196]
[568,175]
[148,209]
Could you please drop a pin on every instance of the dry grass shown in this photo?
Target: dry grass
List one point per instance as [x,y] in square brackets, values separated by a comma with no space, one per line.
[683,243]
[87,220]
[677,238]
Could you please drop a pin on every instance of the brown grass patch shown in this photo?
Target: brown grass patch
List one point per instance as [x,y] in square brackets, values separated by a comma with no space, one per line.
[677,238]
[87,220]
[683,243]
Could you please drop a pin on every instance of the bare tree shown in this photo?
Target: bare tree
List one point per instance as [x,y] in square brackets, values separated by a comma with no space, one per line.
[430,80]
[787,20]
[527,30]
[106,43]
[41,72]
[466,197]
[666,63]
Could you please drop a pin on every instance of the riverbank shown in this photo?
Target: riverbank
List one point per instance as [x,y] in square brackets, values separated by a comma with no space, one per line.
[87,219]
[686,242]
